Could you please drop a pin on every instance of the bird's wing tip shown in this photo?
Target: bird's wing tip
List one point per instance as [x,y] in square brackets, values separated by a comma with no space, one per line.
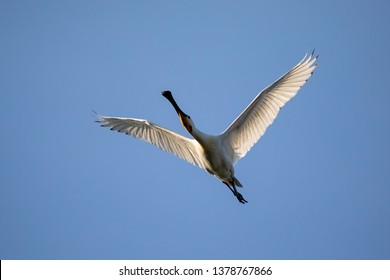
[310,54]
[99,118]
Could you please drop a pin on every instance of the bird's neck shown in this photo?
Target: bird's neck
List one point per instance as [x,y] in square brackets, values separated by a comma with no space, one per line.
[199,136]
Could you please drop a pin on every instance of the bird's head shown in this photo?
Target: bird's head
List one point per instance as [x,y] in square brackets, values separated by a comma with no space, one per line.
[184,118]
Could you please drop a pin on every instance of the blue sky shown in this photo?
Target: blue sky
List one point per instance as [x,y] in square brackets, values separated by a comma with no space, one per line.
[317,182]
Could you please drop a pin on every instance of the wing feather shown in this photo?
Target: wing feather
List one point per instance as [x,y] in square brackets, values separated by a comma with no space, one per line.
[252,123]
[169,141]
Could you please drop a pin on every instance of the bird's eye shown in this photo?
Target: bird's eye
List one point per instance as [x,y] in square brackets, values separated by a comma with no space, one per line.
[189,117]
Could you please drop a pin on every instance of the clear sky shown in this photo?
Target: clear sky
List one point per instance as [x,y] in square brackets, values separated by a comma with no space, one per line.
[318,181]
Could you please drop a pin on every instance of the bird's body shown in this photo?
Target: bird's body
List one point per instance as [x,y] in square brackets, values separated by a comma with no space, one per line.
[215,154]
[218,154]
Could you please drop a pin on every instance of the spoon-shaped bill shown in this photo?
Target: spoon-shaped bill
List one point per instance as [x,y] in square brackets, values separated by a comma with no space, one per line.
[168,95]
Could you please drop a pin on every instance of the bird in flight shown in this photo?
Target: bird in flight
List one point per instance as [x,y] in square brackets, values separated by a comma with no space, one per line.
[217,154]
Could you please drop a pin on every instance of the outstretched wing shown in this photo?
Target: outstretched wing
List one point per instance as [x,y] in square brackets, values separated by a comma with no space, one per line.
[252,123]
[184,148]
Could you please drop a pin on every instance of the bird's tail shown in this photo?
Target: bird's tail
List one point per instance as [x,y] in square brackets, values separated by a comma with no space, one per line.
[237,183]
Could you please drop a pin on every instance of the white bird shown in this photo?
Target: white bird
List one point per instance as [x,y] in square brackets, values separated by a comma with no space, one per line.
[217,154]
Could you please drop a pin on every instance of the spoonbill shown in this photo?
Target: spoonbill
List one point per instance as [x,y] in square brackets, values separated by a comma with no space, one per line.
[218,154]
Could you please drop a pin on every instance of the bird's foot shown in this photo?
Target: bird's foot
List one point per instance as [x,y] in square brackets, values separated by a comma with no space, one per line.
[241,198]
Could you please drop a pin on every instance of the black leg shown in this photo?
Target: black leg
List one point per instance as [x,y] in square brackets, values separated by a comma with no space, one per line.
[230,188]
[236,193]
